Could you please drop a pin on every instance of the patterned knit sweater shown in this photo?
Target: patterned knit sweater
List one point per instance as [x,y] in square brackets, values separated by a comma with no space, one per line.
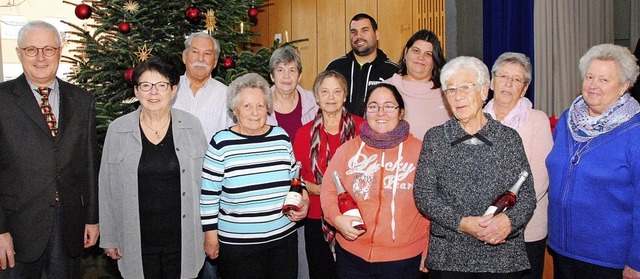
[455,180]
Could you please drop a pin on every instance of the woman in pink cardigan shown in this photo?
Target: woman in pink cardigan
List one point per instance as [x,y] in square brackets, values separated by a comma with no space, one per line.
[511,76]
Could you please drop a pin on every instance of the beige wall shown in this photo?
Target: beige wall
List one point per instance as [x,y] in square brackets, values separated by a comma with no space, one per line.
[51,11]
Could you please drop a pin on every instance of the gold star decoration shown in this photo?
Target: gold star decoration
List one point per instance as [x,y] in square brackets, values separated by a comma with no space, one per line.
[210,21]
[131,7]
[75,68]
[143,52]
[84,56]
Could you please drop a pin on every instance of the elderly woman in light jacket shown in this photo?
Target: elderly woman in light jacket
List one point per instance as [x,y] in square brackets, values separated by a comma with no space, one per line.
[150,182]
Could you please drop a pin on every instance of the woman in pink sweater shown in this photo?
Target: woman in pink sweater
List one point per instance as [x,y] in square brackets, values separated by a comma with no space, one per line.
[511,77]
[418,81]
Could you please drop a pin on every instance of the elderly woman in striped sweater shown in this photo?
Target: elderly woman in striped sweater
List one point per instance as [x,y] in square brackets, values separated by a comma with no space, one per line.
[246,175]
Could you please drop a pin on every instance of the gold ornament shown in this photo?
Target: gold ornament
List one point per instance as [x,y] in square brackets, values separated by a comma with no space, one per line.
[131,7]
[210,21]
[75,68]
[83,55]
[143,52]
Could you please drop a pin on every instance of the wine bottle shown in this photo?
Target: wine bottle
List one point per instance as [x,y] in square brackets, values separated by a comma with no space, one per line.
[347,205]
[294,197]
[507,199]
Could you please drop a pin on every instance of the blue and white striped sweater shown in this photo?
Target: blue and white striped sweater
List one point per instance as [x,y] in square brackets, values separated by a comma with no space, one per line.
[244,182]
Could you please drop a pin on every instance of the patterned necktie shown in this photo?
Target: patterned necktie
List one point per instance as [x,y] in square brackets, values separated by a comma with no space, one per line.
[47,112]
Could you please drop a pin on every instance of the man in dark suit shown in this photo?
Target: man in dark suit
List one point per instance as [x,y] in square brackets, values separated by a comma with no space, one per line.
[48,174]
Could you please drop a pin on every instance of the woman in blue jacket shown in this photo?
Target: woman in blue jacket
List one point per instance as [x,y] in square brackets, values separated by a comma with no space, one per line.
[594,172]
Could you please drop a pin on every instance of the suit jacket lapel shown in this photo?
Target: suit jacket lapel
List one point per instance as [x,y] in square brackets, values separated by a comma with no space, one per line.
[28,104]
[66,109]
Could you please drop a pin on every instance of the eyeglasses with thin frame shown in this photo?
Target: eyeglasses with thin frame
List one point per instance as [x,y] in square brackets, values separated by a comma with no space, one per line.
[464,89]
[161,86]
[386,108]
[514,80]
[32,51]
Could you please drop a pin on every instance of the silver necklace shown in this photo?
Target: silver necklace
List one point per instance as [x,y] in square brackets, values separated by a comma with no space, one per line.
[575,159]
[157,132]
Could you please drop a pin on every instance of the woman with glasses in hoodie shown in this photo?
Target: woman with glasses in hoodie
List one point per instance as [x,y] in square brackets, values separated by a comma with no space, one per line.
[377,169]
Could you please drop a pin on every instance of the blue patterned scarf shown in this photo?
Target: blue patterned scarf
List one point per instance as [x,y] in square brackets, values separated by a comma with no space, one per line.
[584,127]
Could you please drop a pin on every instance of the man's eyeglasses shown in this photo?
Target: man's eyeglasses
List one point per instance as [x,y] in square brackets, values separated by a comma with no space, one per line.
[514,80]
[464,89]
[161,86]
[385,108]
[32,51]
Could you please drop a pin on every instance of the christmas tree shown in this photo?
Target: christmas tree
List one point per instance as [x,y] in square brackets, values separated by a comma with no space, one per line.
[125,32]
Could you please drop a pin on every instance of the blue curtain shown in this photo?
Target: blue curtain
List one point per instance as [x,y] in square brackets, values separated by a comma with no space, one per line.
[508,26]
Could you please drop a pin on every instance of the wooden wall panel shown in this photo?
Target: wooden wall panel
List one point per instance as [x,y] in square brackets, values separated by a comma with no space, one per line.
[262,28]
[353,7]
[304,25]
[279,18]
[395,26]
[430,14]
[548,266]
[332,31]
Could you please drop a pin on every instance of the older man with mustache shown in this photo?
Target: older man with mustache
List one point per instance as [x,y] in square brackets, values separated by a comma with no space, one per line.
[201,95]
[198,93]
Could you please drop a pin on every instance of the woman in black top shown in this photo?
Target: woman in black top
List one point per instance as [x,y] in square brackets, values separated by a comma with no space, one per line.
[150,182]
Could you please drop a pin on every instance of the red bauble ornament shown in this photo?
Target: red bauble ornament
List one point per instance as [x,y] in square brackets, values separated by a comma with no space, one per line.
[253,11]
[193,14]
[83,11]
[124,27]
[128,75]
[228,63]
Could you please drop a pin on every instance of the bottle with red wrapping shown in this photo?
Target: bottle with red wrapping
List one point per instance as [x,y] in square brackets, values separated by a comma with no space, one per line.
[346,204]
[294,197]
[507,199]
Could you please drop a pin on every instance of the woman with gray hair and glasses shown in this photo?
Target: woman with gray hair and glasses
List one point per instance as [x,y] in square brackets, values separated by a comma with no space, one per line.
[511,77]
[293,107]
[246,175]
[464,165]
[594,172]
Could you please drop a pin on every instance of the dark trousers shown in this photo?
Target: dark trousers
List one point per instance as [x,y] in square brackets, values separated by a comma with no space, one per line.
[161,264]
[209,269]
[280,262]
[568,268]
[351,266]
[319,256]
[439,274]
[55,262]
[535,253]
